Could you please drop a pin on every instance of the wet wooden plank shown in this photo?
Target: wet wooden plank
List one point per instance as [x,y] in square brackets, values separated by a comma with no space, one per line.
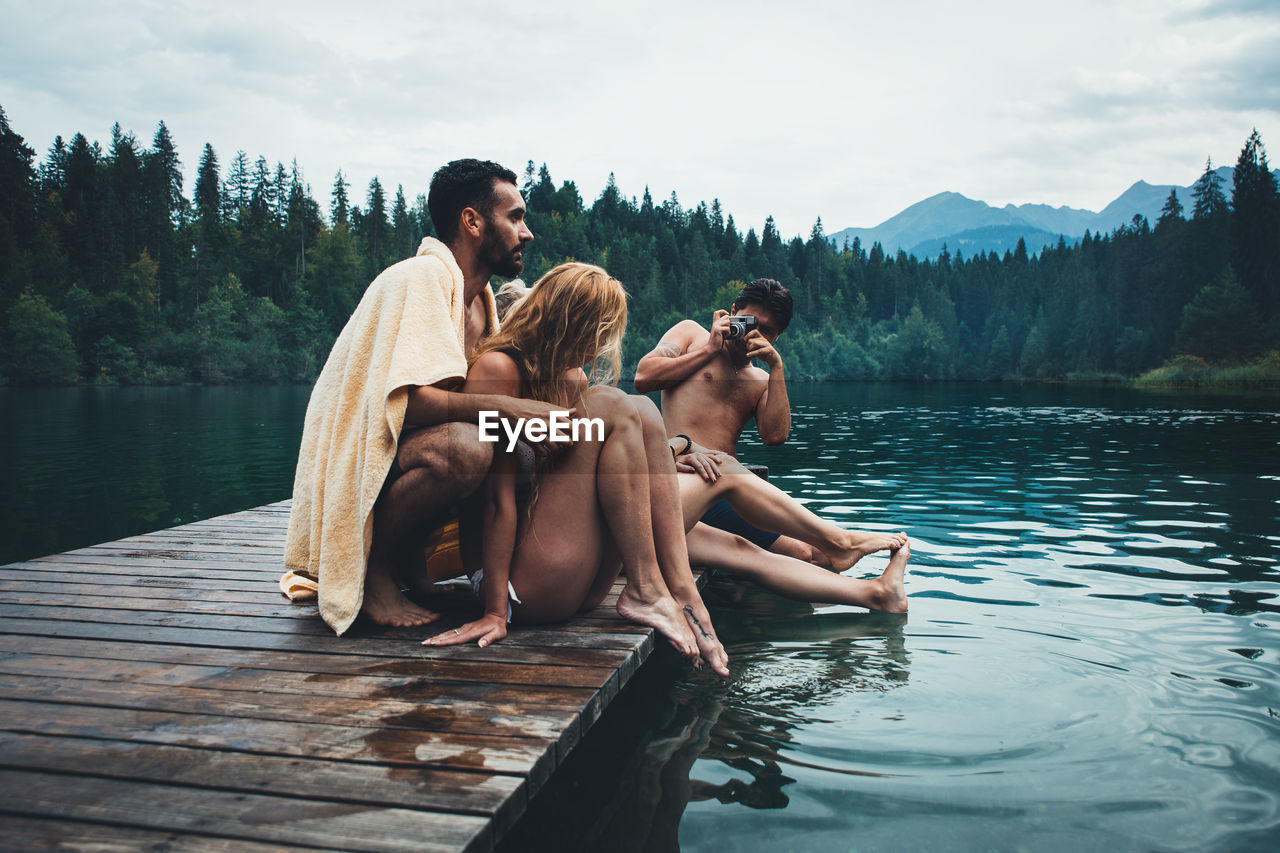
[463,792]
[530,758]
[68,836]
[235,815]
[159,691]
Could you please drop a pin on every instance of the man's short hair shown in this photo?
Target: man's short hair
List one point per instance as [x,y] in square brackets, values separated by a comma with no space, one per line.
[461,184]
[771,296]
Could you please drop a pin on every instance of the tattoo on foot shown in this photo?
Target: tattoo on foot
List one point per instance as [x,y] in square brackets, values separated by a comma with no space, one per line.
[689,611]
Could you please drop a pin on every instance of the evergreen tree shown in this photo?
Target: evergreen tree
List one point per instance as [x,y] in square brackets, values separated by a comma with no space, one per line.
[239,187]
[17,203]
[1255,225]
[1172,210]
[1210,201]
[208,194]
[339,206]
[1220,323]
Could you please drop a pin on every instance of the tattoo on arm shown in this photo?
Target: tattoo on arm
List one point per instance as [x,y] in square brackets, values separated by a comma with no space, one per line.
[667,350]
[689,612]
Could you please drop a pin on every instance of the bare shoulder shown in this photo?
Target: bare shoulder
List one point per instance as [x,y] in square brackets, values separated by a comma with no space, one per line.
[685,332]
[688,328]
[494,366]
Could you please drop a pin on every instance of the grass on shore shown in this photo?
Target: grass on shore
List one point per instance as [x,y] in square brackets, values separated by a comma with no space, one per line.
[1189,371]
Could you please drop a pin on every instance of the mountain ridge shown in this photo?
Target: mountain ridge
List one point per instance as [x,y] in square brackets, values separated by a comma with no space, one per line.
[971,226]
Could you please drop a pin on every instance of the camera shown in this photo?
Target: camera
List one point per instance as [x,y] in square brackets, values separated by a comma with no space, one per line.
[739,326]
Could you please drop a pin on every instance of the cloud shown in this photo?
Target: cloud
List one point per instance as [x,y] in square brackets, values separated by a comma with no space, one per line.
[848,111]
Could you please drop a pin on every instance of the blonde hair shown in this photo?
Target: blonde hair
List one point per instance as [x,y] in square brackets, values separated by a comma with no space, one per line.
[573,316]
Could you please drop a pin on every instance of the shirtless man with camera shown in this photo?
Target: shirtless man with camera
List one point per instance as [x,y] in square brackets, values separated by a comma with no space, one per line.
[710,389]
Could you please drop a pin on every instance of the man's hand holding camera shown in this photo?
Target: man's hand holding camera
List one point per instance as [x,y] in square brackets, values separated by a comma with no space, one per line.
[758,346]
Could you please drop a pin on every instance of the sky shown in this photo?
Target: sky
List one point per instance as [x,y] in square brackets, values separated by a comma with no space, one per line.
[848,111]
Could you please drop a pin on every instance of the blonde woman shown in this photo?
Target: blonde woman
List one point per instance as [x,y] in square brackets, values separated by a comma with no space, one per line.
[608,502]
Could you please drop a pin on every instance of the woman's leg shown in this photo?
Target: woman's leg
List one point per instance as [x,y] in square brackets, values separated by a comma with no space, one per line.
[798,580]
[669,534]
[591,496]
[766,506]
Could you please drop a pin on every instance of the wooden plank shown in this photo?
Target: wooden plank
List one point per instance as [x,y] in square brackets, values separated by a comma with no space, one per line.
[529,757]
[68,836]
[496,796]
[252,817]
[17,649]
[527,645]
[462,708]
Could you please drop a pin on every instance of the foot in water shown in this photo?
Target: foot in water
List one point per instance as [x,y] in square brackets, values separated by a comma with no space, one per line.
[860,543]
[892,595]
[709,647]
[663,615]
[384,604]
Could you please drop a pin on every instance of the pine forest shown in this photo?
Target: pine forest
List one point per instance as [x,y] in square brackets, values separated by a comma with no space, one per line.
[111,274]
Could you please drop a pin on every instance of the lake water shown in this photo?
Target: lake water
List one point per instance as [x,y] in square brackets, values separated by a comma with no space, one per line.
[1091,660]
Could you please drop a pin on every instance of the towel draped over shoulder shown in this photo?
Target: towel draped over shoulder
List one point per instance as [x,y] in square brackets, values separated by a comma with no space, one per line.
[408,330]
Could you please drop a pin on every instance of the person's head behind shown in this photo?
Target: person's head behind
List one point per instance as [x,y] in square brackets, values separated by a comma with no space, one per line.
[770,302]
[508,295]
[461,184]
[575,315]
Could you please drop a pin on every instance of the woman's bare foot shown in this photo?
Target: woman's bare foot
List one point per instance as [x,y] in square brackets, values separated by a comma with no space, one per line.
[860,543]
[709,647]
[384,604]
[663,615]
[892,596]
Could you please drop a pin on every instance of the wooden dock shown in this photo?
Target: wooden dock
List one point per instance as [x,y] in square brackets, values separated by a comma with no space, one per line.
[160,692]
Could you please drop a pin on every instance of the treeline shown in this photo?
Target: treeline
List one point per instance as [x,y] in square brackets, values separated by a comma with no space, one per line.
[109,273]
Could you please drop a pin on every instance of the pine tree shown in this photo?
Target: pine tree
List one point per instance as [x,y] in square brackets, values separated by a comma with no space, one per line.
[208,194]
[339,206]
[402,227]
[1210,201]
[1255,225]
[238,189]
[1172,210]
[17,197]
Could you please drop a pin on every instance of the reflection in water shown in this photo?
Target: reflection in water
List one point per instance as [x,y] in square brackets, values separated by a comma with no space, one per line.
[673,723]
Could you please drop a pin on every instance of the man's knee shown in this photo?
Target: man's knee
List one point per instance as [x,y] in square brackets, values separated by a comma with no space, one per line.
[449,452]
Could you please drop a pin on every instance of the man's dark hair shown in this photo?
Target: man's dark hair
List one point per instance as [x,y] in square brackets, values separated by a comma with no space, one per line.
[771,296]
[461,184]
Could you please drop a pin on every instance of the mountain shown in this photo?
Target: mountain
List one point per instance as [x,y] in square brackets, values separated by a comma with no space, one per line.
[969,226]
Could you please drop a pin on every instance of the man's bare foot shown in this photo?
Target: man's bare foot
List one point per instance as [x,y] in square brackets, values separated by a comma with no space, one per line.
[384,604]
[709,647]
[663,615]
[860,543]
[892,596]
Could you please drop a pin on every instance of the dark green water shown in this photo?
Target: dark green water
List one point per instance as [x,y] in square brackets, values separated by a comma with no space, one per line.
[1091,660]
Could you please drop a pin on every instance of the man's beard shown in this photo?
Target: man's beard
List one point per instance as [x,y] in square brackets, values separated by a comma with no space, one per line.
[501,260]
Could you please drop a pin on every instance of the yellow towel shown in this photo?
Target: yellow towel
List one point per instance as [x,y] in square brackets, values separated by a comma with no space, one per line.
[407,330]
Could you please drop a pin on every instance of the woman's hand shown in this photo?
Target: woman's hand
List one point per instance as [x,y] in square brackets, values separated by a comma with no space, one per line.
[705,463]
[487,629]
